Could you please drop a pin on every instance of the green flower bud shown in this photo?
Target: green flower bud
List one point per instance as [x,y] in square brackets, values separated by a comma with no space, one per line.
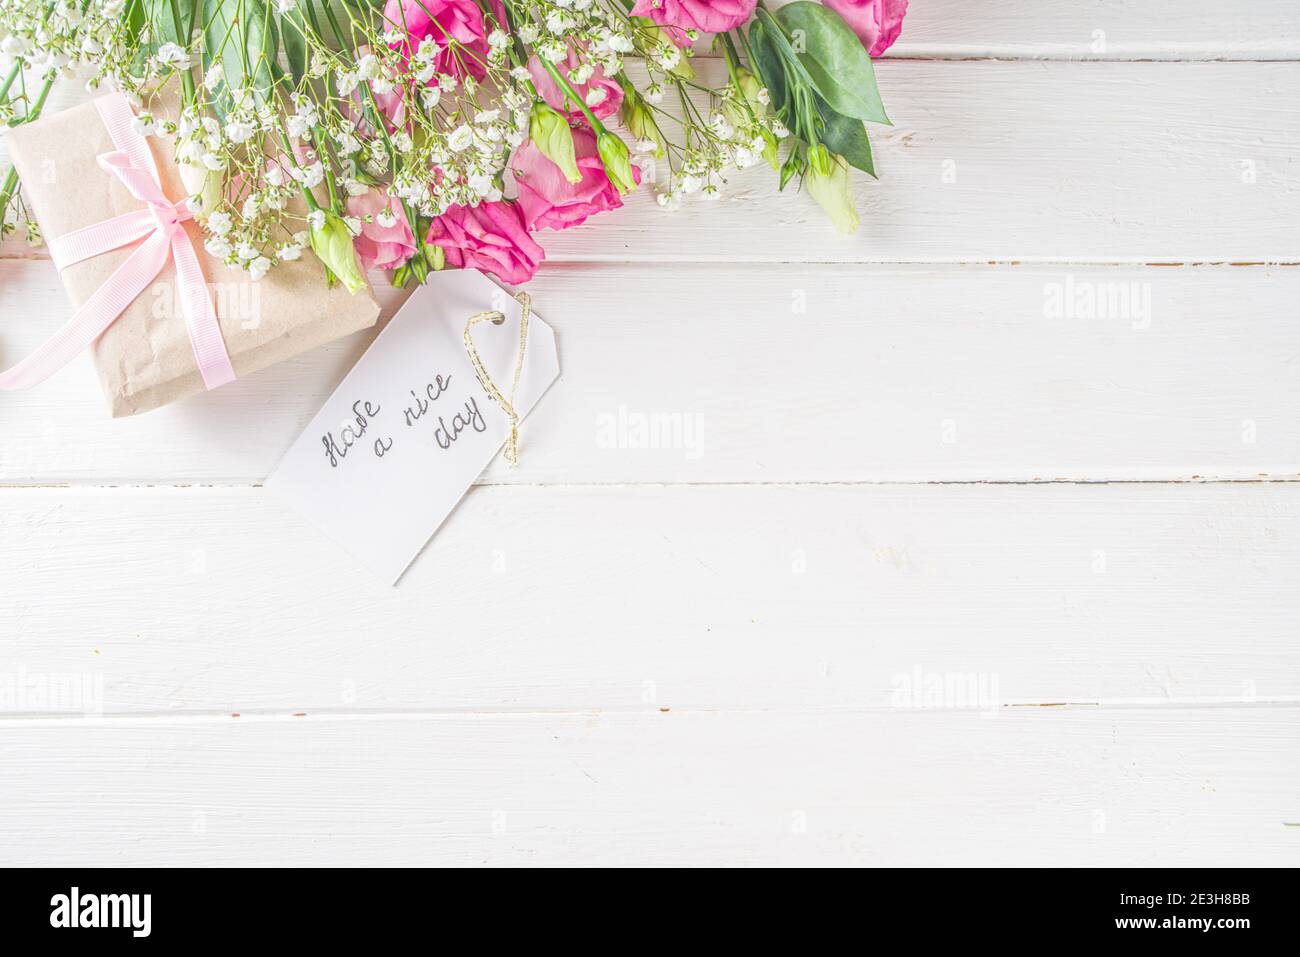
[749,87]
[827,180]
[331,241]
[640,122]
[550,133]
[618,167]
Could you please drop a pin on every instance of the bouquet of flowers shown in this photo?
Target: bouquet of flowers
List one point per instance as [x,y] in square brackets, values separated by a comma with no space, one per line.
[417,135]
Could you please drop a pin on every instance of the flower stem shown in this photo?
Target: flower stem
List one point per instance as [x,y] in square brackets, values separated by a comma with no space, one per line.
[563,83]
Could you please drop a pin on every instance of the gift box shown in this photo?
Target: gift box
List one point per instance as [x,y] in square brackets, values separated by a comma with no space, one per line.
[146,358]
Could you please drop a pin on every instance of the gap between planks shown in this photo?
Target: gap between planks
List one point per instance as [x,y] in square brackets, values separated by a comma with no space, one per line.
[129,486]
[52,719]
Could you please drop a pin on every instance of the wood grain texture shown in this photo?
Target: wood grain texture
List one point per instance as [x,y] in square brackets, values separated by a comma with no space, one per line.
[1017,161]
[807,373]
[1099,30]
[209,600]
[1041,787]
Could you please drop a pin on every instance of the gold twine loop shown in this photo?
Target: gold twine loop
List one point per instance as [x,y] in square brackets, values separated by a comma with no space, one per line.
[497,317]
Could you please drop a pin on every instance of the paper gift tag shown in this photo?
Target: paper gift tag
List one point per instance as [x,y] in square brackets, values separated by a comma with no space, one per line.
[408,431]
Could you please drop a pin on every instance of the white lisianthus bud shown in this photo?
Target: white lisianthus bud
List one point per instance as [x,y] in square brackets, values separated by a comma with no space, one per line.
[204,187]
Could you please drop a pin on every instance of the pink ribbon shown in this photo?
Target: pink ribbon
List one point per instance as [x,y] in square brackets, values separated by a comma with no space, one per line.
[159,226]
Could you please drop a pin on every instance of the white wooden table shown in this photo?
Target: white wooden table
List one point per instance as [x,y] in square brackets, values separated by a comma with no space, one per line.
[947,574]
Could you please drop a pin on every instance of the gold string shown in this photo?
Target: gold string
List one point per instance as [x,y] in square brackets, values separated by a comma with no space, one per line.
[497,317]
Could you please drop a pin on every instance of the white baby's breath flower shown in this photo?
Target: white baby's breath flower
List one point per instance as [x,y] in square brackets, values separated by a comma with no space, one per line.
[311,175]
[460,138]
[239,131]
[368,66]
[299,126]
[219,222]
[212,79]
[218,246]
[354,187]
[316,218]
[347,143]
[144,124]
[213,162]
[353,224]
[258,267]
[173,55]
[744,157]
[430,96]
[285,6]
[347,82]
[289,252]
[669,56]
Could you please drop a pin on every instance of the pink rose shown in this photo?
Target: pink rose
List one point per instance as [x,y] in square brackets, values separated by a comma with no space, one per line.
[707,16]
[379,246]
[876,22]
[547,199]
[490,237]
[555,98]
[439,21]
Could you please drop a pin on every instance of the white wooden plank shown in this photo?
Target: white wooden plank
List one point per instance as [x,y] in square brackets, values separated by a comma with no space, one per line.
[1019,161]
[812,373]
[1047,787]
[188,600]
[1099,29]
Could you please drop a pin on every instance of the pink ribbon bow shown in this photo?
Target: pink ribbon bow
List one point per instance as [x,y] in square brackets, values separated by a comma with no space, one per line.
[159,226]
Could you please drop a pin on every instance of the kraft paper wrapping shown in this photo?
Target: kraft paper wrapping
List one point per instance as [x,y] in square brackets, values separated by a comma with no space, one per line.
[144,359]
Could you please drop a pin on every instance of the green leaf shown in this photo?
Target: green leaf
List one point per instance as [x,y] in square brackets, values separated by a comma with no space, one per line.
[241,37]
[846,136]
[835,59]
[292,34]
[767,61]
